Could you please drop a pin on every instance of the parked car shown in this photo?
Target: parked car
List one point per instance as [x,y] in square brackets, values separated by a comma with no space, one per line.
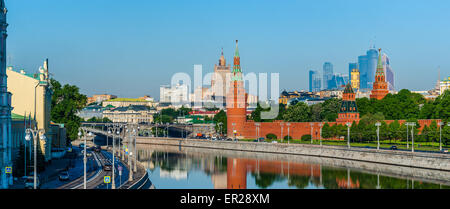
[64,176]
[29,182]
[274,142]
[393,148]
[445,151]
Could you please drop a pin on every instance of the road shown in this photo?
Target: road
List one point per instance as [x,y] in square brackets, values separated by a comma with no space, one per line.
[95,178]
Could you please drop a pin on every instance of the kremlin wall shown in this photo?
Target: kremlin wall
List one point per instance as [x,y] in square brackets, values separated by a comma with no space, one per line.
[241,128]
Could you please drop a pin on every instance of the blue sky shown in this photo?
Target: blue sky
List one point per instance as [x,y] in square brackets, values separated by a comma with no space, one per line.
[129,48]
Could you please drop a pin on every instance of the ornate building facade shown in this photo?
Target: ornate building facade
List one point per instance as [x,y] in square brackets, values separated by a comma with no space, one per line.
[355,79]
[221,79]
[380,86]
[5,106]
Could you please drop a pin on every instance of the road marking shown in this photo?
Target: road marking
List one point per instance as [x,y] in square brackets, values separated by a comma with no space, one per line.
[94,177]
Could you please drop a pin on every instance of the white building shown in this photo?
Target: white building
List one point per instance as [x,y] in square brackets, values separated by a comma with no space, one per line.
[178,94]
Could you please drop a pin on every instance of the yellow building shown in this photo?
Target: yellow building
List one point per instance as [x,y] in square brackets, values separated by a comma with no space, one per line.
[31,94]
[355,79]
[444,85]
[125,102]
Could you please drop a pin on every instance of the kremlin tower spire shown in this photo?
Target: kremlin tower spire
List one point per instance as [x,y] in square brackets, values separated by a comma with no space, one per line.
[236,104]
[380,87]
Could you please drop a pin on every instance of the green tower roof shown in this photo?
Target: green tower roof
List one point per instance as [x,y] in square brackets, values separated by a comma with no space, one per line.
[348,89]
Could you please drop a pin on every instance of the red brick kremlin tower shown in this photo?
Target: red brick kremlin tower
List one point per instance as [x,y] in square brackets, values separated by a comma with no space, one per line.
[348,111]
[380,87]
[236,104]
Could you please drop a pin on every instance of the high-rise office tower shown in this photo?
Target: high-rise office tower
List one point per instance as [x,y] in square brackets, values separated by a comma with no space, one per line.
[372,59]
[362,64]
[367,66]
[327,74]
[352,66]
[314,81]
[388,72]
[338,81]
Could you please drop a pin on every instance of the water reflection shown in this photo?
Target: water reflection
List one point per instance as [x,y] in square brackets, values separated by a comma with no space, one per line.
[199,170]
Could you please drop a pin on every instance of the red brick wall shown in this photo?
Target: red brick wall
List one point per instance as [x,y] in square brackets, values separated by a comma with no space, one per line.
[297,130]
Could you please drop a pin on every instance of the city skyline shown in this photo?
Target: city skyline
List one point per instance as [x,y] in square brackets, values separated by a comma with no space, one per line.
[291,41]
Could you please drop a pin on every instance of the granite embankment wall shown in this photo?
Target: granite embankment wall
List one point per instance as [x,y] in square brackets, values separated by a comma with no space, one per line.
[400,158]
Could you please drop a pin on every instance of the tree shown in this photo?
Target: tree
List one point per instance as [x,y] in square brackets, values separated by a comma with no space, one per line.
[316,110]
[326,131]
[297,113]
[271,136]
[66,102]
[306,137]
[330,109]
[221,117]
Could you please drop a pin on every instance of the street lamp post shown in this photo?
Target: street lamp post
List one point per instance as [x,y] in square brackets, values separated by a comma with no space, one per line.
[348,131]
[113,183]
[378,124]
[320,132]
[440,135]
[220,128]
[234,131]
[407,136]
[35,133]
[412,134]
[135,150]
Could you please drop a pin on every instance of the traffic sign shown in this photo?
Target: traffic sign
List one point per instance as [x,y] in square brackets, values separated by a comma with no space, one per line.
[120,168]
[120,172]
[107,179]
[8,170]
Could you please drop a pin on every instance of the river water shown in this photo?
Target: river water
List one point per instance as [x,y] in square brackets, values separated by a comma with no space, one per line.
[173,167]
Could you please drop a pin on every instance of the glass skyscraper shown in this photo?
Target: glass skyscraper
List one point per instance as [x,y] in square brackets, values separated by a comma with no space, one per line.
[315,83]
[352,66]
[372,61]
[367,66]
[327,74]
[388,72]
[338,81]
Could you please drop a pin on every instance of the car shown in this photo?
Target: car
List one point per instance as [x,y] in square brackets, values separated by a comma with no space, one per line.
[274,142]
[81,145]
[229,139]
[29,182]
[64,176]
[445,151]
[393,148]
[89,154]
[107,167]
